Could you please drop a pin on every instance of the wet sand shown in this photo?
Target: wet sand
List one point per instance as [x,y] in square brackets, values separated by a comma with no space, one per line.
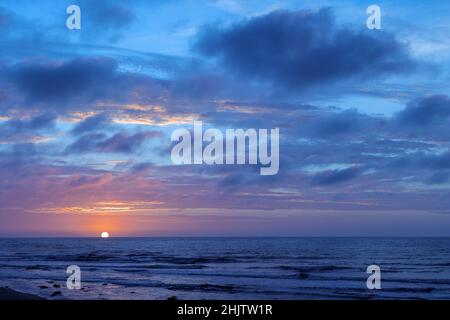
[9,294]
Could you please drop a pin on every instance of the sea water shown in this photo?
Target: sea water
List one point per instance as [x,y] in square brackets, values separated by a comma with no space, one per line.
[228,268]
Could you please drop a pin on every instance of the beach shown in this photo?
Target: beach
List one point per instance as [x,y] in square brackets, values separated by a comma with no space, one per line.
[9,294]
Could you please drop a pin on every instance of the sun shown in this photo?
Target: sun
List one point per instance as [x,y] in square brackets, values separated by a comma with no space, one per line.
[105,234]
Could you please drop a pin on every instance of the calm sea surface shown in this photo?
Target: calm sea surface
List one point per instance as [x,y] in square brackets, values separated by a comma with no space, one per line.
[228,268]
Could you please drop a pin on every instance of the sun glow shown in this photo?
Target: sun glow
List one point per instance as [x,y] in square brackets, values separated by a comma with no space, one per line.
[105,234]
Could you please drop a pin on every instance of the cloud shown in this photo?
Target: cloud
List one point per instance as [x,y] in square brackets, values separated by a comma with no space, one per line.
[422,119]
[90,181]
[91,124]
[105,19]
[330,177]
[118,143]
[10,23]
[43,121]
[437,162]
[6,18]
[438,178]
[425,111]
[49,81]
[300,49]
[124,143]
[26,130]
[421,160]
[330,158]
[347,122]
[78,84]
[141,167]
[86,143]
[113,16]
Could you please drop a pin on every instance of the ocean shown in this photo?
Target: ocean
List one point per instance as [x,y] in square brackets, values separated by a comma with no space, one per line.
[228,268]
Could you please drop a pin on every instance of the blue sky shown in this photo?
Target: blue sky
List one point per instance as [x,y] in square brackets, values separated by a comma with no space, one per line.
[86,117]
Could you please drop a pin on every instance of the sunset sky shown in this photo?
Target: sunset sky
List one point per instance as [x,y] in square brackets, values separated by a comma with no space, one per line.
[86,117]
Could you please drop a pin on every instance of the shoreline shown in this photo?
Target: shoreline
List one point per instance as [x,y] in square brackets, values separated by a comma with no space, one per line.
[10,294]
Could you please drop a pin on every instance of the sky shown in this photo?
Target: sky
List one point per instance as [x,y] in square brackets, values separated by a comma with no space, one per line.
[86,117]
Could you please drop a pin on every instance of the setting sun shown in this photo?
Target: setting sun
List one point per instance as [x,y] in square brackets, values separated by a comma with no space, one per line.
[105,234]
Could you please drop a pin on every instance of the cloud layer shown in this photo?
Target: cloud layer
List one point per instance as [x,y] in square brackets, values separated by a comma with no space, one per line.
[301,49]
[85,128]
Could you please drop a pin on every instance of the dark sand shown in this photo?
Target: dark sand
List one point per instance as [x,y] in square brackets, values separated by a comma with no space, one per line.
[9,294]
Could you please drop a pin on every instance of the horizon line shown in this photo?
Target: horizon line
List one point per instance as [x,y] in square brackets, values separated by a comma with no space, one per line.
[217,237]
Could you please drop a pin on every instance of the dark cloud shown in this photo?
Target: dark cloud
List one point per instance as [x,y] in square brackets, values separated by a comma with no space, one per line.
[198,86]
[20,155]
[346,122]
[438,178]
[114,16]
[118,143]
[299,49]
[421,160]
[124,143]
[141,167]
[330,177]
[105,18]
[88,180]
[13,127]
[10,22]
[59,81]
[426,118]
[42,121]
[425,111]
[79,83]
[340,123]
[86,143]
[437,162]
[6,18]
[91,124]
